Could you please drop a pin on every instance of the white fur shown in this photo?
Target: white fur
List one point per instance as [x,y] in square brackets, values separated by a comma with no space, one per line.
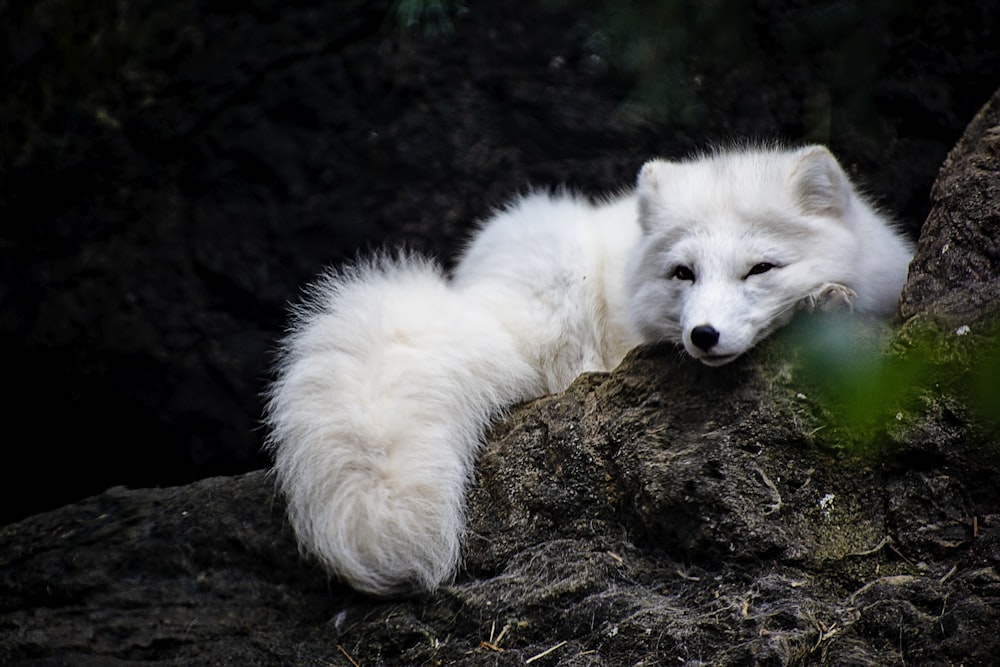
[392,371]
[723,214]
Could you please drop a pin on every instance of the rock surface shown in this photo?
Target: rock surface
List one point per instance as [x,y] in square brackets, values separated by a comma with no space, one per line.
[957,269]
[659,514]
[171,176]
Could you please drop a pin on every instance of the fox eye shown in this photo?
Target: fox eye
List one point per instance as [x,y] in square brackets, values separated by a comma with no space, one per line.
[683,273]
[757,269]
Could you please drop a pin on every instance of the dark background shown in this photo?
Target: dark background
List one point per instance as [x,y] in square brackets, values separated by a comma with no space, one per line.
[171,175]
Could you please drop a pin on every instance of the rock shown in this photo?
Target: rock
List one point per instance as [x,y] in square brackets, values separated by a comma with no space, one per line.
[174,175]
[956,273]
[659,512]
[185,572]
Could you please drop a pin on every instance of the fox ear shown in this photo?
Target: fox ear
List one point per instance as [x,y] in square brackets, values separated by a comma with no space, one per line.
[819,182]
[649,186]
[649,175]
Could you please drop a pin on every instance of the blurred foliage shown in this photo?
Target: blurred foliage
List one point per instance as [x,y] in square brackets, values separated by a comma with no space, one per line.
[832,52]
[431,17]
[677,49]
[75,71]
[985,387]
[667,43]
[866,392]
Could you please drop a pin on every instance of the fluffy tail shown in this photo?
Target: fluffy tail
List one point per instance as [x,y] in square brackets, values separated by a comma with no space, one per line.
[386,382]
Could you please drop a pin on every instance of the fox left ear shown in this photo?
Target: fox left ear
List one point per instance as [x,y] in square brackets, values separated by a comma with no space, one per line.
[819,182]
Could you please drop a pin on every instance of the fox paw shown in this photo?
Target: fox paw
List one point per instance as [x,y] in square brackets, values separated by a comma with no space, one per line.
[830,298]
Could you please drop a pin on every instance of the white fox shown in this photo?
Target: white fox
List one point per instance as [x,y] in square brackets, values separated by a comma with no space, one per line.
[392,370]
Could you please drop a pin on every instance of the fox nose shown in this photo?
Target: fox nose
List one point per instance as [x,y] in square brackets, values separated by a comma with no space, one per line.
[704,336]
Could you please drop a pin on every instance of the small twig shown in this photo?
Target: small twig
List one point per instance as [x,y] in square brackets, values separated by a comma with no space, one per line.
[544,653]
[894,580]
[825,633]
[944,608]
[348,656]
[616,557]
[874,549]
[494,641]
[900,554]
[777,504]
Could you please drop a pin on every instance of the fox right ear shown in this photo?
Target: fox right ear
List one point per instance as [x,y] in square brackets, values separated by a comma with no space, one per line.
[820,182]
[651,177]
[649,186]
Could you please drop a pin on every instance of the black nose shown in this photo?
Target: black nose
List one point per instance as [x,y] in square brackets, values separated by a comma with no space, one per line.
[704,336]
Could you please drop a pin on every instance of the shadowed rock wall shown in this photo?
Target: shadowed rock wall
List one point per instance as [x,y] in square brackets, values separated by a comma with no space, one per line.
[664,513]
[172,175]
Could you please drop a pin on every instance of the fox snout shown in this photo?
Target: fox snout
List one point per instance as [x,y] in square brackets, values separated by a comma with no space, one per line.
[704,336]
[702,343]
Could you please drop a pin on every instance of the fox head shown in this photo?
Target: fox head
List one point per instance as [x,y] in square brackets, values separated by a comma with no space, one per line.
[732,243]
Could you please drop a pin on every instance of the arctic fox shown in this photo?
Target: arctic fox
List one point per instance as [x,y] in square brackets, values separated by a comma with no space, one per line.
[392,370]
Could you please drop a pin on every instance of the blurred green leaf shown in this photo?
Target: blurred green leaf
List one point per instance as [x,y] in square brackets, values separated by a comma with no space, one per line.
[865,388]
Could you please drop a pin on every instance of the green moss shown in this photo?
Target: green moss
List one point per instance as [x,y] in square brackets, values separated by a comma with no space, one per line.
[871,395]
